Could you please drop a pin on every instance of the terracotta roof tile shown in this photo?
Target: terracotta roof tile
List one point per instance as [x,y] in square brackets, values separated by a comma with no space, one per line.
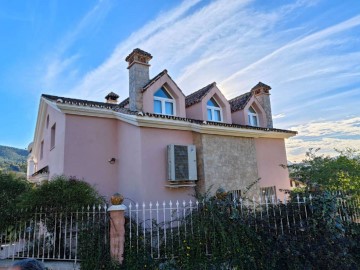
[124,102]
[199,122]
[260,84]
[153,80]
[239,102]
[197,96]
[137,50]
[118,108]
[79,102]
[112,95]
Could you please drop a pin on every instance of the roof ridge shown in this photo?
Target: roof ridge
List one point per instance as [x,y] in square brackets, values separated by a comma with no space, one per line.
[239,96]
[76,100]
[123,103]
[238,103]
[154,79]
[260,84]
[198,95]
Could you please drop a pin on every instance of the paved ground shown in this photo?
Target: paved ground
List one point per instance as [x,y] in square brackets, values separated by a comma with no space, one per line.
[4,264]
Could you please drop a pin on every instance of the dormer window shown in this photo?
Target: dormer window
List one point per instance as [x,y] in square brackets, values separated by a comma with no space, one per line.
[213,111]
[253,117]
[164,103]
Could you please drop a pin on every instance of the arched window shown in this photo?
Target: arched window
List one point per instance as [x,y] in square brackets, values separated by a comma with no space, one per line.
[163,102]
[253,117]
[213,111]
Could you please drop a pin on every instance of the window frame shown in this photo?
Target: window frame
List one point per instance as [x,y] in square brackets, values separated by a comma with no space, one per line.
[213,109]
[250,117]
[163,102]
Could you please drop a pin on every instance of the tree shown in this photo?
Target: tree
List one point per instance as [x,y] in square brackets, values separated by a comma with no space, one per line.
[341,172]
[12,187]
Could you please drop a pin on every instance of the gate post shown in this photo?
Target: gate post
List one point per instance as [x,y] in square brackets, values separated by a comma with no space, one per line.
[117,231]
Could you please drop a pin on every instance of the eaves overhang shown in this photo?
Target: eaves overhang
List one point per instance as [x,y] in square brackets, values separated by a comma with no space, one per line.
[142,120]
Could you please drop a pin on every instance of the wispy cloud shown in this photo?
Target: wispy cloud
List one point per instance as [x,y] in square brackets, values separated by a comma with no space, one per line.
[313,69]
[92,85]
[59,64]
[277,116]
[326,135]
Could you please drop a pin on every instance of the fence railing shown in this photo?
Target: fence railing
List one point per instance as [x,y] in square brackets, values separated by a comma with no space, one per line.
[160,229]
[47,235]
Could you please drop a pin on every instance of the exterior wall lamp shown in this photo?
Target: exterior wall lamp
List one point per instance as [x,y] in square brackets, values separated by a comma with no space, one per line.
[112,160]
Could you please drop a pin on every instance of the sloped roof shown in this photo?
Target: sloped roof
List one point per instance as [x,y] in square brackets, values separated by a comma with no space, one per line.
[112,95]
[239,102]
[124,102]
[157,77]
[118,108]
[139,51]
[153,80]
[199,122]
[79,102]
[261,85]
[197,96]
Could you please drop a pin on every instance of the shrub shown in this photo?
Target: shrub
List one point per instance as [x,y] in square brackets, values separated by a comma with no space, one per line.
[12,187]
[61,193]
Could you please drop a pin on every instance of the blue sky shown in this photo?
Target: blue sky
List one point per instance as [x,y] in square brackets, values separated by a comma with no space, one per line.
[308,51]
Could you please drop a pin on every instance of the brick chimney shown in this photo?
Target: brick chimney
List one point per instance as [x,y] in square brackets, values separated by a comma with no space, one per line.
[138,61]
[112,98]
[261,92]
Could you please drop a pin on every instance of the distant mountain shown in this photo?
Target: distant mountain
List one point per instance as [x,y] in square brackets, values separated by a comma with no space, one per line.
[13,159]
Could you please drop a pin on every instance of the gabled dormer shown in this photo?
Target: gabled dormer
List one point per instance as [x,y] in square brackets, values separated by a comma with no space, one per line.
[208,104]
[161,95]
[253,108]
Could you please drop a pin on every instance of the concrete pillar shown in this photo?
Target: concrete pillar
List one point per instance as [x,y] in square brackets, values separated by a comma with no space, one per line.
[30,167]
[117,231]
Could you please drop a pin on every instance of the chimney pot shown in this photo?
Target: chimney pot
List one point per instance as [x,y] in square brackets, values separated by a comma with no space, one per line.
[112,98]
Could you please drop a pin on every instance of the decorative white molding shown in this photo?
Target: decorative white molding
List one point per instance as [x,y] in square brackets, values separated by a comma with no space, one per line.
[120,207]
[144,121]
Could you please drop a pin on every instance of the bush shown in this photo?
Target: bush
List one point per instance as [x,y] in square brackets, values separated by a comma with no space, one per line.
[61,193]
[94,248]
[12,187]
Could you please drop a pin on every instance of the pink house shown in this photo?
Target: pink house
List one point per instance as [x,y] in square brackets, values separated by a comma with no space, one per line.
[159,144]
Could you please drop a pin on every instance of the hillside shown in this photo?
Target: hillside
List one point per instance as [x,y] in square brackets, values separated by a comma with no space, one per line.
[13,159]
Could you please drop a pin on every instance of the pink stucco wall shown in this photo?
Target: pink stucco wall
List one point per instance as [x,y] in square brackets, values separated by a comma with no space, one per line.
[195,112]
[52,157]
[241,117]
[90,143]
[270,154]
[143,163]
[148,95]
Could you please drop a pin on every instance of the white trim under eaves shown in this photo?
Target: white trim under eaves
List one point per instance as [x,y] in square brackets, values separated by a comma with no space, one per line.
[145,121]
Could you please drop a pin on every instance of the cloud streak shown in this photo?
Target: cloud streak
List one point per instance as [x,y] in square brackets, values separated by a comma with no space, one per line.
[313,69]
[326,135]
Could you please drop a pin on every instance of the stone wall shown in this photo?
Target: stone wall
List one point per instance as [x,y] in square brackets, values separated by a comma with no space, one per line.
[138,77]
[227,162]
[264,100]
